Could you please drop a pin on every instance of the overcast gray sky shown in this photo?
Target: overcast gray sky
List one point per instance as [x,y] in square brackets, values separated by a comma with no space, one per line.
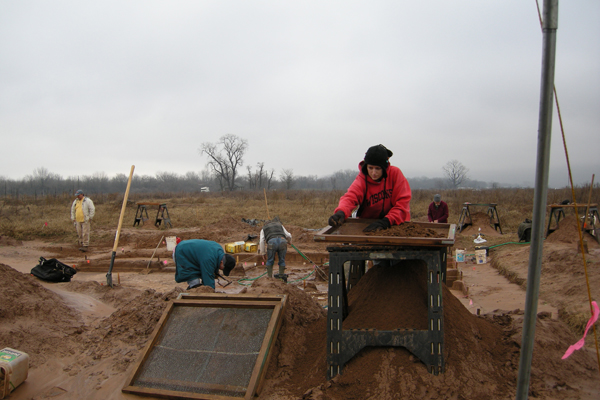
[88,87]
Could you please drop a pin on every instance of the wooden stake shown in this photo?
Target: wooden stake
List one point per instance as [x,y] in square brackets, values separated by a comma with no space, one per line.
[587,209]
[159,242]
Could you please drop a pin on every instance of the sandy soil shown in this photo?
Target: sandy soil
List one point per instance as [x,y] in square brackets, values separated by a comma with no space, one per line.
[84,337]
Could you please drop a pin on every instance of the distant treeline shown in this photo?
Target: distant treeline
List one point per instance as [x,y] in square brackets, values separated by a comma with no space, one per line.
[43,183]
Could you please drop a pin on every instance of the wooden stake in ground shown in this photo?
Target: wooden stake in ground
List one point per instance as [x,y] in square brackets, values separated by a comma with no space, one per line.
[114,251]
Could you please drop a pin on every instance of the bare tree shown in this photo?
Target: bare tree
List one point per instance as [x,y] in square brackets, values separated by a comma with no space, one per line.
[269,178]
[225,157]
[287,178]
[455,172]
[255,180]
[251,179]
[41,175]
[260,172]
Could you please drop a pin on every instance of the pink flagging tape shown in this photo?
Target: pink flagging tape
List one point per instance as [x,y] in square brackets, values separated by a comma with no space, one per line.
[581,341]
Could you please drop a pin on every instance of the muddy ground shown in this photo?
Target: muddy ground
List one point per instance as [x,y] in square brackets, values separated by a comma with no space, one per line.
[84,338]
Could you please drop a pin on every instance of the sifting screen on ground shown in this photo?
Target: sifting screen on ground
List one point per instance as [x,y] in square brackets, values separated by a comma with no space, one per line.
[209,350]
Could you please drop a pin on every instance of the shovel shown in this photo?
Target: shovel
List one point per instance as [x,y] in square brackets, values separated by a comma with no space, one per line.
[114,251]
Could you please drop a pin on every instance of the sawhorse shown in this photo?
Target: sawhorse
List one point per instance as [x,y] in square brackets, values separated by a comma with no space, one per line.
[589,224]
[160,215]
[344,344]
[465,220]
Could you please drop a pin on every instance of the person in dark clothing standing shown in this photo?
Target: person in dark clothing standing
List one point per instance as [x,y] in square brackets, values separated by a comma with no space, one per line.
[438,210]
[276,238]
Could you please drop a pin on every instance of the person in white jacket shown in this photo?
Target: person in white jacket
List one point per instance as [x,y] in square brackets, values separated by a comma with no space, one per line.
[276,239]
[82,212]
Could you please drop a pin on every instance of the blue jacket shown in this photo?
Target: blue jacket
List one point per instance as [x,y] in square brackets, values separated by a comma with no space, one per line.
[197,258]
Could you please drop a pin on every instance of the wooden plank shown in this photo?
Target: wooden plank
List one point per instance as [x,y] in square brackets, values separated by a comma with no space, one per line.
[173,394]
[571,205]
[227,303]
[237,296]
[146,352]
[239,390]
[265,365]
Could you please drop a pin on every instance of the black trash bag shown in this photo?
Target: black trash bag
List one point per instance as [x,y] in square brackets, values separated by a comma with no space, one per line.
[53,270]
[524,231]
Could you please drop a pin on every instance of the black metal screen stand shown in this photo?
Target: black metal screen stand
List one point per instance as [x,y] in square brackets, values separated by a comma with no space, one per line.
[139,215]
[342,345]
[160,216]
[465,220]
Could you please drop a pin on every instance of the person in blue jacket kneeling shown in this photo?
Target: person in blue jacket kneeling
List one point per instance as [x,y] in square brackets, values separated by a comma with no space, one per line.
[198,261]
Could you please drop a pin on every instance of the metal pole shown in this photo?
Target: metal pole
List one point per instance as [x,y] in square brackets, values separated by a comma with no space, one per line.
[550,25]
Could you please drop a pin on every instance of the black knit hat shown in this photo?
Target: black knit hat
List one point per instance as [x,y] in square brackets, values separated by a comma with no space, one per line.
[377,155]
[229,264]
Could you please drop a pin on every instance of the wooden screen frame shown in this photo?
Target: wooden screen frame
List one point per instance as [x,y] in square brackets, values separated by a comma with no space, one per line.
[216,300]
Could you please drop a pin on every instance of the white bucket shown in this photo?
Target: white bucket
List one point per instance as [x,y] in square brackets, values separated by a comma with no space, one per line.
[14,367]
[480,256]
[460,255]
[171,242]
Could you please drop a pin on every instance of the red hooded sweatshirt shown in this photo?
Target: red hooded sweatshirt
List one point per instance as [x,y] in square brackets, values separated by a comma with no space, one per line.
[390,197]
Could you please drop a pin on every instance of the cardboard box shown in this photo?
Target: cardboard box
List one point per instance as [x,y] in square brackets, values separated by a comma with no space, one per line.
[480,256]
[235,247]
[250,247]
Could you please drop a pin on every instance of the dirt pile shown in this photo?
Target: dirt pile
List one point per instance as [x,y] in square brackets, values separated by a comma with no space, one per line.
[481,353]
[480,223]
[299,356]
[407,229]
[34,319]
[370,306]
[567,232]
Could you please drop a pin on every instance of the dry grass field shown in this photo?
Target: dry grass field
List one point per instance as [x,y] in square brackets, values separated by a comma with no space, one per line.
[48,218]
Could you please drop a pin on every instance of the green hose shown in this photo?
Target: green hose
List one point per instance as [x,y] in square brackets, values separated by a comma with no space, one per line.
[502,244]
[250,279]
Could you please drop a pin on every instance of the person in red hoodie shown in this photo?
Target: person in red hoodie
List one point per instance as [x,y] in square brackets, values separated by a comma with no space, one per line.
[379,191]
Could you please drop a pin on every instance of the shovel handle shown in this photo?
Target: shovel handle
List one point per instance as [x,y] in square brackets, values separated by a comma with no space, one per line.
[123,210]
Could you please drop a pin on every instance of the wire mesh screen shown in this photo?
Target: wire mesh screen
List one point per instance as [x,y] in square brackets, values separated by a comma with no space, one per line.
[208,350]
